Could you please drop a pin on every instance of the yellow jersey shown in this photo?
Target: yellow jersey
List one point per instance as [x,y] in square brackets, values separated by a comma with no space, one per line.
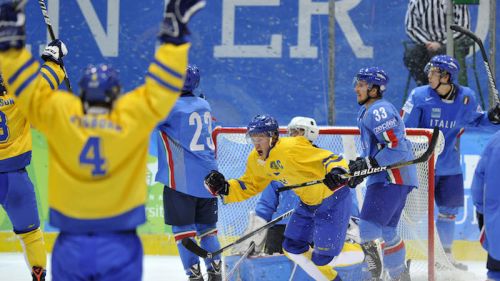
[97,162]
[15,136]
[292,160]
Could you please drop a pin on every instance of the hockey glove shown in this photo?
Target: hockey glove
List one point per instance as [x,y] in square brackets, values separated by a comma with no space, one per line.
[254,222]
[358,165]
[216,184]
[494,114]
[334,180]
[55,51]
[12,25]
[174,26]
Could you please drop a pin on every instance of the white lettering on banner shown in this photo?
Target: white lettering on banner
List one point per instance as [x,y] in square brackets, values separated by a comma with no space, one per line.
[303,49]
[470,162]
[229,50]
[107,42]
[307,8]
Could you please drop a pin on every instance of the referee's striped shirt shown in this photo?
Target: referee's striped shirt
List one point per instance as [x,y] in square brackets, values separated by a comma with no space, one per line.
[425,20]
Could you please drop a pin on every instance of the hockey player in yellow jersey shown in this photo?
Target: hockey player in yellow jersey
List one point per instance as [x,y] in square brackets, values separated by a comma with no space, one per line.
[17,193]
[322,215]
[98,144]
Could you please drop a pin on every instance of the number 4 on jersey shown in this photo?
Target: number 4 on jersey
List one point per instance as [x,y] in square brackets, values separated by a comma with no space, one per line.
[91,155]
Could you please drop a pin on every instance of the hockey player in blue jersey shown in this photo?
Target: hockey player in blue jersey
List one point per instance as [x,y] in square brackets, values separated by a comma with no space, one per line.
[185,156]
[384,142]
[486,198]
[451,107]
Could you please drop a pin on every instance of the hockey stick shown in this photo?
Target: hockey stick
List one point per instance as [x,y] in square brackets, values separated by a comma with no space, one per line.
[476,39]
[53,37]
[199,251]
[422,158]
[240,260]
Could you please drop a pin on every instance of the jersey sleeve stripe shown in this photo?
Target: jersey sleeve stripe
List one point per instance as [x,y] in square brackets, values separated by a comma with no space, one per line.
[171,163]
[51,71]
[242,185]
[163,83]
[167,69]
[48,80]
[25,84]
[390,138]
[18,72]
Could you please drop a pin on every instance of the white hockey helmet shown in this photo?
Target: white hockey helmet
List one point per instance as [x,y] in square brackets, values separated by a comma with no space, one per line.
[308,125]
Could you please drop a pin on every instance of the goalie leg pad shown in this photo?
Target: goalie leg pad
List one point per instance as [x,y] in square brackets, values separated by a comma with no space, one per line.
[188,259]
[324,272]
[351,254]
[208,241]
[394,252]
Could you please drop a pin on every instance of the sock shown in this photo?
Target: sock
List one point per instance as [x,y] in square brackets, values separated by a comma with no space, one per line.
[34,248]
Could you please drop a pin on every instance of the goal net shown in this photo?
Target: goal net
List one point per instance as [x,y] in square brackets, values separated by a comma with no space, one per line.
[416,227]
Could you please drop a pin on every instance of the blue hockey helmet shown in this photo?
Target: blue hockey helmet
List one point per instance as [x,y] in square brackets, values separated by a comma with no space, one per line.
[445,64]
[263,124]
[99,85]
[192,78]
[373,75]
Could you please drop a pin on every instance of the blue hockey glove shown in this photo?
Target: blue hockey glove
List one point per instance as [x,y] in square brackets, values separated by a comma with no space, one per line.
[494,114]
[177,14]
[12,26]
[358,165]
[216,184]
[334,180]
[55,51]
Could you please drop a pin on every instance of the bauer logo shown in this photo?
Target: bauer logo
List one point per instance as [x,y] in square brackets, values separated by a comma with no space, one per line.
[369,171]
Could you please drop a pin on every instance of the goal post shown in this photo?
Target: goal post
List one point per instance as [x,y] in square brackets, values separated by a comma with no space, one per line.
[416,227]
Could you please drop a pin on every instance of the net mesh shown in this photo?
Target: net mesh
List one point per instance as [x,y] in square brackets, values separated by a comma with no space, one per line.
[414,228]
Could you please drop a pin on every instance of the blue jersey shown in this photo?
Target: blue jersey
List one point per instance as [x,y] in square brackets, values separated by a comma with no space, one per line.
[383,137]
[486,194]
[425,109]
[185,147]
[272,203]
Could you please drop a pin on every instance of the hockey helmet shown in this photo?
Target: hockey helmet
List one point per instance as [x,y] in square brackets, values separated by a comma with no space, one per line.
[311,130]
[192,78]
[99,85]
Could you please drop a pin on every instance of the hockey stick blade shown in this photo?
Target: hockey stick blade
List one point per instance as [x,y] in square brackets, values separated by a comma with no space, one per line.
[479,42]
[199,251]
[422,158]
[194,248]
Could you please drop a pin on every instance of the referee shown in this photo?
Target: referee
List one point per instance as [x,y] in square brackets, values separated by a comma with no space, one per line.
[425,24]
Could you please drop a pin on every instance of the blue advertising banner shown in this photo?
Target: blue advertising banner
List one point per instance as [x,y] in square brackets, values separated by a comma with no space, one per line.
[256,56]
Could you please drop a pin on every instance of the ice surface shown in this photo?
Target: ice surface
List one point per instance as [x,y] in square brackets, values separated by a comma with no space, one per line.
[13,268]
